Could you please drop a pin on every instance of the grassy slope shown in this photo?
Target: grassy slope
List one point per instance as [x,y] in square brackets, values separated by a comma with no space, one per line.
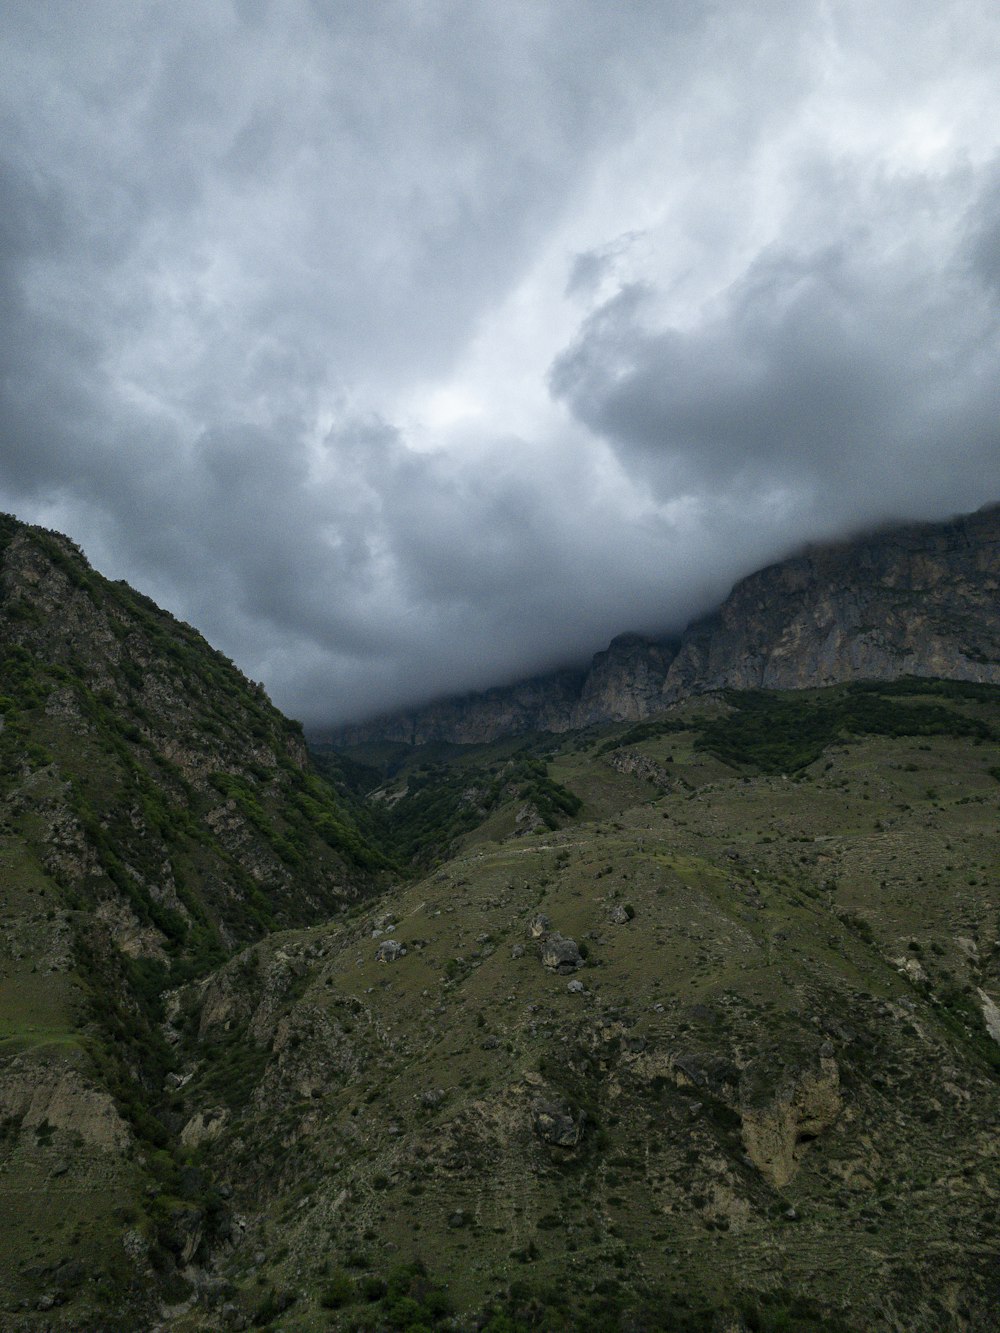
[155,813]
[841,917]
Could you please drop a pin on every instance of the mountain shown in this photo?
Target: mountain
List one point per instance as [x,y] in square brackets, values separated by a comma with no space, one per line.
[688,1021]
[919,600]
[156,814]
[714,1048]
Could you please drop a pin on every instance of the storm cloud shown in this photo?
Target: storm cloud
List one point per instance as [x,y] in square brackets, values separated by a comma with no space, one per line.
[407,348]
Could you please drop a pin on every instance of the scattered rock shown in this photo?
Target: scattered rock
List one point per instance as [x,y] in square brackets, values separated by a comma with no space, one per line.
[389,950]
[517,951]
[538,926]
[620,916]
[576,987]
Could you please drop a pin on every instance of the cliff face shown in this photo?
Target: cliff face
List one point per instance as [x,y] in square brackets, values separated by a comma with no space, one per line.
[623,683]
[544,703]
[917,600]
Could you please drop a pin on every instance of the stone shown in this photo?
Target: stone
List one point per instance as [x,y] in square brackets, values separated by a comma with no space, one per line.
[517,951]
[619,915]
[556,1124]
[204,1126]
[576,987]
[389,951]
[561,954]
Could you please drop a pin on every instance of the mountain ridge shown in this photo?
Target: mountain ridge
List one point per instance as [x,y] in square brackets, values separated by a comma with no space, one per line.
[687,1023]
[916,599]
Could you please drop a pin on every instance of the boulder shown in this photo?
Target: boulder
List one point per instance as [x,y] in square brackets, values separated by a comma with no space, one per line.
[556,1124]
[388,951]
[561,954]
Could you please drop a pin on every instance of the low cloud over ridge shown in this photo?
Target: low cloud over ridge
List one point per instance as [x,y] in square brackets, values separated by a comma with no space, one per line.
[410,349]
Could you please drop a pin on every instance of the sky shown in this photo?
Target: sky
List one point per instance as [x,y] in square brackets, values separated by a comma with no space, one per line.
[408,347]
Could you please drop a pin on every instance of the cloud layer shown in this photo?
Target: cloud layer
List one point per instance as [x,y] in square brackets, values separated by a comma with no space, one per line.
[407,348]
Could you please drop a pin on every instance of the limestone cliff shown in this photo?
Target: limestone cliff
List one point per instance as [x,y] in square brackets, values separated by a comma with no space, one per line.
[915,600]
[920,600]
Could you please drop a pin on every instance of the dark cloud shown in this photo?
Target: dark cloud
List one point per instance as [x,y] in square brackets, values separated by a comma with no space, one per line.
[856,378]
[405,348]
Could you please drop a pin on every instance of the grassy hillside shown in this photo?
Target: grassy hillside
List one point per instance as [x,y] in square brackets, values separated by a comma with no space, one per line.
[768,1093]
[156,813]
[691,1024]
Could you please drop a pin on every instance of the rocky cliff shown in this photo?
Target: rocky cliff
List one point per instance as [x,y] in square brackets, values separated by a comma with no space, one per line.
[916,600]
[920,600]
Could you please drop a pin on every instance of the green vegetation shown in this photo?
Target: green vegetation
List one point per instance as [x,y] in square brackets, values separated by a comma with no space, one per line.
[766,1097]
[785,732]
[436,803]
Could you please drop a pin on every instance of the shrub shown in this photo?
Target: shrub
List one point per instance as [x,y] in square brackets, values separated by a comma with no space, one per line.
[338,1292]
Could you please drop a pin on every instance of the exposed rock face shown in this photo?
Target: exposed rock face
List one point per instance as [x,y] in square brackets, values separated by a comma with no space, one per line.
[544,703]
[916,600]
[777,1131]
[625,682]
[920,600]
[61,1097]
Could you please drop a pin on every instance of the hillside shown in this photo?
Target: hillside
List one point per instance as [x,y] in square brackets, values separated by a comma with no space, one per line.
[690,1021]
[157,814]
[919,600]
[717,1045]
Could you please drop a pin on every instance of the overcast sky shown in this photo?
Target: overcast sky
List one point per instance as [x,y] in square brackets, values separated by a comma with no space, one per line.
[411,346]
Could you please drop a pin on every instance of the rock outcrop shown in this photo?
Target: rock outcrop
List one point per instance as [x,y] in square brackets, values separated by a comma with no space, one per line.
[920,600]
[778,1129]
[916,600]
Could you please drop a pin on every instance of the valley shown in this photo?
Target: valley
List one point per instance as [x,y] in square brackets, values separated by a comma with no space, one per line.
[686,1021]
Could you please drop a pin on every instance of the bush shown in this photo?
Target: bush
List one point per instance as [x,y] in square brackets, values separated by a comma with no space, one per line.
[338,1292]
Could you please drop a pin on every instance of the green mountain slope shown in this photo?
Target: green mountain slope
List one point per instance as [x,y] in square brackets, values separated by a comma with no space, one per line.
[157,813]
[765,1097]
[686,1023]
